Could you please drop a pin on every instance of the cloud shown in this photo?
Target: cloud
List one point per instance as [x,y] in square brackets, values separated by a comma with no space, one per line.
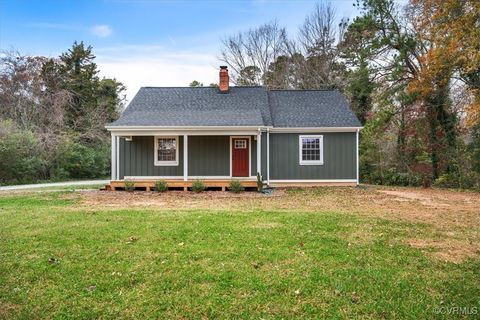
[152,65]
[101,30]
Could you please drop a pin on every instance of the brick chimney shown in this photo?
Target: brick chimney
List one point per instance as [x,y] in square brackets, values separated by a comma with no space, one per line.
[224,79]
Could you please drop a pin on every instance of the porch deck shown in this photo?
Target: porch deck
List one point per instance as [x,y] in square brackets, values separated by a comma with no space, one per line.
[180,183]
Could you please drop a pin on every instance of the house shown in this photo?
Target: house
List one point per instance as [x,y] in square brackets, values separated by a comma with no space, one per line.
[290,137]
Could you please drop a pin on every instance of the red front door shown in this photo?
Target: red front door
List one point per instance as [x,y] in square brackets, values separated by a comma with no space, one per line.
[240,157]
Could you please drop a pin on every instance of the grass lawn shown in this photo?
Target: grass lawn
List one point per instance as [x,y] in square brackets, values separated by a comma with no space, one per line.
[319,253]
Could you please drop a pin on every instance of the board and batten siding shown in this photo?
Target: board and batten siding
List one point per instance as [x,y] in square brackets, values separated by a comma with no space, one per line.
[136,159]
[339,157]
[207,156]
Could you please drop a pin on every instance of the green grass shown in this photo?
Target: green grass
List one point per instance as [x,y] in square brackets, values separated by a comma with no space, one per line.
[58,260]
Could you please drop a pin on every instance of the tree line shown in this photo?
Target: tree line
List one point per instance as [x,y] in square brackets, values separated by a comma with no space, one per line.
[411,74]
[52,116]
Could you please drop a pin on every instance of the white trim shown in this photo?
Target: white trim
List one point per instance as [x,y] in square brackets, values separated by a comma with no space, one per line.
[117,156]
[181,177]
[220,177]
[185,157]
[151,177]
[259,153]
[158,163]
[220,128]
[182,132]
[358,160]
[139,128]
[113,157]
[300,145]
[249,154]
[268,156]
[313,180]
[314,129]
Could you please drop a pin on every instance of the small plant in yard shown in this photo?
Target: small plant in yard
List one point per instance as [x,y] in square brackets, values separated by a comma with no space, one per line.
[161,185]
[259,182]
[235,186]
[198,186]
[129,185]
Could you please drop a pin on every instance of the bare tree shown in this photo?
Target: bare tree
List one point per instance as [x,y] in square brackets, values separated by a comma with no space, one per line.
[24,97]
[317,35]
[249,54]
[318,38]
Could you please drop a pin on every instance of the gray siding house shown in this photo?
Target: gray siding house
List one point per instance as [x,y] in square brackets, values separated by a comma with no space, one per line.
[289,137]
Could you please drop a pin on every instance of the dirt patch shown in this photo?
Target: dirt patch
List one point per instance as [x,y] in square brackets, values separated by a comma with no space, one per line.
[173,199]
[452,251]
[7,310]
[426,200]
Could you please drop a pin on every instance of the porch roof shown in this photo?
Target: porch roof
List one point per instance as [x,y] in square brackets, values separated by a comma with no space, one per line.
[198,106]
[208,117]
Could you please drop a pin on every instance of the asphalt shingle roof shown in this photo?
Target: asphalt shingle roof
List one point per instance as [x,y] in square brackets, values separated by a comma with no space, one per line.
[241,106]
[199,106]
[311,108]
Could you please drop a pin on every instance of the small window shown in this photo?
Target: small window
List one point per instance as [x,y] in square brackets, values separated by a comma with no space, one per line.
[166,151]
[240,144]
[311,150]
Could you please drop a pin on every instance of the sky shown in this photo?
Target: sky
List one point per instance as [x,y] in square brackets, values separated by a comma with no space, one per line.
[146,42]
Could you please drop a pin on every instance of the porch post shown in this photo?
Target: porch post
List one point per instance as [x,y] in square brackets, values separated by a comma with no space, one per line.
[185,157]
[117,157]
[268,156]
[114,157]
[358,160]
[259,151]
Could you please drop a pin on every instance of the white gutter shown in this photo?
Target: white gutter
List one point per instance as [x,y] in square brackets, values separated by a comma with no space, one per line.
[313,129]
[193,128]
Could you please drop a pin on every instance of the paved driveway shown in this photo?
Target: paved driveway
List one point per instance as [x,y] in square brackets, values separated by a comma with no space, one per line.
[54,184]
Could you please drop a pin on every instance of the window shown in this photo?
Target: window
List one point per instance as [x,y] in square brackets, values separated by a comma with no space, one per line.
[240,144]
[311,150]
[166,151]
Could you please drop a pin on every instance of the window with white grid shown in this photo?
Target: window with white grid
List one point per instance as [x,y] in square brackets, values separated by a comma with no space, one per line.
[166,151]
[240,144]
[311,150]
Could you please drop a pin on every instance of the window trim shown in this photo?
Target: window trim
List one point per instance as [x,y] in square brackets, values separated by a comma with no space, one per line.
[155,153]
[300,146]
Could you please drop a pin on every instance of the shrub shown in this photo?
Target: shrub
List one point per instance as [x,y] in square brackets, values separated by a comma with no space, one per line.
[198,186]
[84,161]
[161,185]
[129,185]
[21,157]
[259,182]
[235,186]
[457,180]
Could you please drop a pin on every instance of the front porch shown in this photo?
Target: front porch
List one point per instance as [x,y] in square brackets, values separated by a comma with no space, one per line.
[149,184]
[180,157]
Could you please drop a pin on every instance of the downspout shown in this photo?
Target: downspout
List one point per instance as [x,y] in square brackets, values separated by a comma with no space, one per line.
[268,156]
